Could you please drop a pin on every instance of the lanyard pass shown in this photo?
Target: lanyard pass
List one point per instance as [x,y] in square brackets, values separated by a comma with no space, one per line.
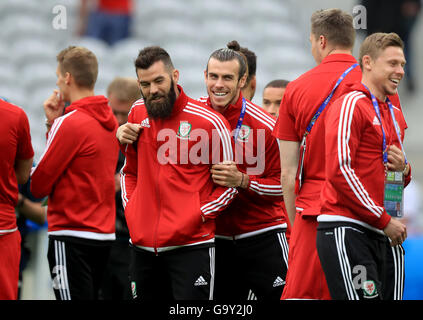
[394,194]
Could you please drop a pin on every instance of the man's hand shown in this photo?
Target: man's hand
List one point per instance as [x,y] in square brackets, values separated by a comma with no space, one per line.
[54,106]
[396,159]
[396,231]
[227,174]
[117,182]
[128,133]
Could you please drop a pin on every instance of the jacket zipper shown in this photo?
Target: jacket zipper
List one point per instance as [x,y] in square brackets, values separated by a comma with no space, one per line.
[159,211]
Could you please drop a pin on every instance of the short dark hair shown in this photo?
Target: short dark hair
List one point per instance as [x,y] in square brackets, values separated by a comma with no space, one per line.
[232,52]
[150,55]
[335,25]
[278,83]
[81,63]
[251,61]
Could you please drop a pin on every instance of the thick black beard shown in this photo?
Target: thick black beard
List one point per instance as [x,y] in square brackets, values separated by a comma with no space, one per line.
[161,109]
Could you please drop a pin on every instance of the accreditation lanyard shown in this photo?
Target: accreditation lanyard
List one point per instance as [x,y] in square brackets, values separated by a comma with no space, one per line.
[240,119]
[397,129]
[394,181]
[322,107]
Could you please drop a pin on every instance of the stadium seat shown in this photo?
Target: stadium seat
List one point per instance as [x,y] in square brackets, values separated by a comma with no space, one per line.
[25,25]
[8,73]
[286,57]
[124,53]
[221,9]
[37,75]
[163,8]
[97,46]
[32,50]
[191,77]
[272,10]
[14,94]
[22,7]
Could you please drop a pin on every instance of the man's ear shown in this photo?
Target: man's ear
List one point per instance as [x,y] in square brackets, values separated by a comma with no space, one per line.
[243,80]
[175,75]
[323,42]
[366,62]
[68,78]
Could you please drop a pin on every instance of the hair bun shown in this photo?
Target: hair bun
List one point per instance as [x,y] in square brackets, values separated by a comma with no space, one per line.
[234,45]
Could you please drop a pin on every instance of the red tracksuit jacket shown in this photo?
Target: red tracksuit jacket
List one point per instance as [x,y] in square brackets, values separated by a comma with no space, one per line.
[354,186]
[15,143]
[167,189]
[259,207]
[76,171]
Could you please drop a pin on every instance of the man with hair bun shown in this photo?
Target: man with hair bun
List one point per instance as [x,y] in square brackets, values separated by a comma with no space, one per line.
[251,233]
[249,88]
[76,172]
[169,197]
[251,241]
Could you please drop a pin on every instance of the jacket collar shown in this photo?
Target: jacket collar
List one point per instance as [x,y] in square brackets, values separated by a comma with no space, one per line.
[339,57]
[180,102]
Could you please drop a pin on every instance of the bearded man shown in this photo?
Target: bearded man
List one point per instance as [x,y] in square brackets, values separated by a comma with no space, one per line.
[169,196]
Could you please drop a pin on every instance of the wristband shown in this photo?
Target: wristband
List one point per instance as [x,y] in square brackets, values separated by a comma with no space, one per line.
[242,179]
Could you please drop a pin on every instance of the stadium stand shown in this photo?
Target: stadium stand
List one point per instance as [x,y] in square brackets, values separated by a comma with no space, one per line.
[190,30]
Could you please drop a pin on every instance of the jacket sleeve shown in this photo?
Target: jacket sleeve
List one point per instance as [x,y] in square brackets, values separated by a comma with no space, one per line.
[62,146]
[128,173]
[25,149]
[345,125]
[267,185]
[220,197]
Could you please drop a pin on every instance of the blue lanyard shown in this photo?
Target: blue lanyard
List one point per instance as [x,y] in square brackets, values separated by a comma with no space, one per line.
[391,109]
[311,124]
[327,100]
[240,119]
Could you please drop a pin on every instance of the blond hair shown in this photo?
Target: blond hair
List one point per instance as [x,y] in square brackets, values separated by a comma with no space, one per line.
[81,63]
[377,42]
[124,89]
[335,25]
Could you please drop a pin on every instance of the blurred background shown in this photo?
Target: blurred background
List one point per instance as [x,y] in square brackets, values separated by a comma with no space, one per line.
[277,31]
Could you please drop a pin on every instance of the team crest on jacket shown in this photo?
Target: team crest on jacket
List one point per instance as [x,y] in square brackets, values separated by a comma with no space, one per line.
[369,289]
[244,132]
[184,130]
[134,289]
